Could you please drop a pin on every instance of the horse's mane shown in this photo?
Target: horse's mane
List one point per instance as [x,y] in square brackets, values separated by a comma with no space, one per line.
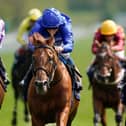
[37,39]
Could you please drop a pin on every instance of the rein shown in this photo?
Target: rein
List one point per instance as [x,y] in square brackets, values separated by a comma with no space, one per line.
[120,77]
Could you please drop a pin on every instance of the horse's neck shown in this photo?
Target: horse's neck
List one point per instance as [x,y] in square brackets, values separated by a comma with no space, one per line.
[116,69]
[59,70]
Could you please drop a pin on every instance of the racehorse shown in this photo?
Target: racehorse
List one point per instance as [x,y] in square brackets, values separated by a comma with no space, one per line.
[107,75]
[2,92]
[50,98]
[20,66]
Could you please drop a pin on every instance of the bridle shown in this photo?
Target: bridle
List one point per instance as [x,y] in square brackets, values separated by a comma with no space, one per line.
[105,78]
[50,75]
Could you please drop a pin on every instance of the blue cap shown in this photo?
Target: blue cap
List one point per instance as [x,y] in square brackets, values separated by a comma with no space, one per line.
[51,18]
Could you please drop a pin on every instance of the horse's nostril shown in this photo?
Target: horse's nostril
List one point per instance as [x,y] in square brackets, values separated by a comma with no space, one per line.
[38,83]
[45,83]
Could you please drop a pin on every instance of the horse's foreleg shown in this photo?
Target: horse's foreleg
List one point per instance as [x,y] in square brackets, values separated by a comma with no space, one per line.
[36,121]
[97,119]
[103,117]
[119,114]
[62,117]
[99,113]
[14,119]
[26,112]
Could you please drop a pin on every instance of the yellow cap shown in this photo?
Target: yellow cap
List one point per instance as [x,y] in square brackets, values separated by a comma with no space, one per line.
[34,14]
[108,27]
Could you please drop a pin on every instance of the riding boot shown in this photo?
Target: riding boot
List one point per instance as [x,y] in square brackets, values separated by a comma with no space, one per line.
[123,95]
[123,82]
[4,74]
[27,77]
[77,83]
[77,79]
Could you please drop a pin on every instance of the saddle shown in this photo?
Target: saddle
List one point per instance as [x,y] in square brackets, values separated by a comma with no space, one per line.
[72,71]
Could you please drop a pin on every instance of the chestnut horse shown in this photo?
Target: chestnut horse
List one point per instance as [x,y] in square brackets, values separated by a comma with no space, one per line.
[20,67]
[50,96]
[2,92]
[108,74]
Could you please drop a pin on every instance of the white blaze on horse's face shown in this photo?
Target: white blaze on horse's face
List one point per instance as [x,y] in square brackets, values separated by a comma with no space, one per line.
[102,54]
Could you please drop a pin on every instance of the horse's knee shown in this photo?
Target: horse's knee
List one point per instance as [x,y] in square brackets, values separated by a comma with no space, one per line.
[118,118]
[97,118]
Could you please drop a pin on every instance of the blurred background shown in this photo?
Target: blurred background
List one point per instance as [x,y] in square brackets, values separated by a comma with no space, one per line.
[82,12]
[86,16]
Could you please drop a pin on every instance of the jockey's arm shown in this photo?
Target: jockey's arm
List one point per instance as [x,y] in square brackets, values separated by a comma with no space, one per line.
[96,41]
[67,37]
[119,46]
[95,46]
[35,29]
[22,30]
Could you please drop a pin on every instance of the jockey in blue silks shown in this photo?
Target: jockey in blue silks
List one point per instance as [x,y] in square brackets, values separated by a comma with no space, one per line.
[53,21]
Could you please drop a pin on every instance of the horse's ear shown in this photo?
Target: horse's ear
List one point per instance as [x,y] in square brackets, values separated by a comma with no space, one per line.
[50,41]
[37,38]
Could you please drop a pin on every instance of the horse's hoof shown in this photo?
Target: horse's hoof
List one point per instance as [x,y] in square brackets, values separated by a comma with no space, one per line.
[26,119]
[14,122]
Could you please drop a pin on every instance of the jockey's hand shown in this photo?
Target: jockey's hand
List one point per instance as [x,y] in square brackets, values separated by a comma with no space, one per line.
[23,42]
[97,43]
[59,49]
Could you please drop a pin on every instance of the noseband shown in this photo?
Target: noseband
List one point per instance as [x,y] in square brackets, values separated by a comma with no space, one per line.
[49,75]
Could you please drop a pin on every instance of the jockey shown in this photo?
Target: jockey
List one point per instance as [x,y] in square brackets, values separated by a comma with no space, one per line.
[24,28]
[2,68]
[22,35]
[26,25]
[53,22]
[112,33]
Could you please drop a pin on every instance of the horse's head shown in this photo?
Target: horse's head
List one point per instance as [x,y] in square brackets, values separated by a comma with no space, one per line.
[44,63]
[108,68]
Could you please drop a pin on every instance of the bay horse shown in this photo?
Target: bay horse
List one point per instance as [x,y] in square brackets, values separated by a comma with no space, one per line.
[50,97]
[20,66]
[2,92]
[107,75]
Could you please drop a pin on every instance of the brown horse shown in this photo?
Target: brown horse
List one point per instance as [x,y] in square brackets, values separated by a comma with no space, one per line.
[20,67]
[108,74]
[50,96]
[2,91]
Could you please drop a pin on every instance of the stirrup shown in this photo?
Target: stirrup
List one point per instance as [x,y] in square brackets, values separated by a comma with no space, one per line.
[6,79]
[121,85]
[22,83]
[79,86]
[77,95]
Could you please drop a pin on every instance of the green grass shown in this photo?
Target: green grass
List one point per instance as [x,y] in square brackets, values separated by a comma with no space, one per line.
[82,57]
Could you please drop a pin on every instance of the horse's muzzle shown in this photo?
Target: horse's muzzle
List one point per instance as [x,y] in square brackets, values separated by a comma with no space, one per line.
[41,87]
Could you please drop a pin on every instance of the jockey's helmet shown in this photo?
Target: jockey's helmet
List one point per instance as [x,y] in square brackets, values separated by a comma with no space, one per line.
[34,14]
[108,27]
[51,18]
